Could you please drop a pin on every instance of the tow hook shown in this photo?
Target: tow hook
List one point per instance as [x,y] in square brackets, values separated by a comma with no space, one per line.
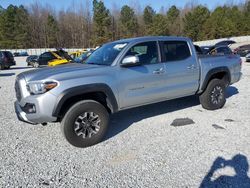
[44,124]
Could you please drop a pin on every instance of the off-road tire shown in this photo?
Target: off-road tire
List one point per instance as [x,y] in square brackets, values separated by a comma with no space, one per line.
[208,97]
[68,124]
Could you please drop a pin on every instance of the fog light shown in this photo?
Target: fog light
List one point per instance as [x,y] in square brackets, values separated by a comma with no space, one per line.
[29,108]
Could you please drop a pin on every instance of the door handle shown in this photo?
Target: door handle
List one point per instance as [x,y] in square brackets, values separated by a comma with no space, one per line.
[191,67]
[158,71]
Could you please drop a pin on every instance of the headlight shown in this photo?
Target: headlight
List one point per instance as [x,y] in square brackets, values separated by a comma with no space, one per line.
[36,88]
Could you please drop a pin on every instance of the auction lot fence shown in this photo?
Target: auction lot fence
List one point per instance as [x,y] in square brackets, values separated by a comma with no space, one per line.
[240,41]
[38,51]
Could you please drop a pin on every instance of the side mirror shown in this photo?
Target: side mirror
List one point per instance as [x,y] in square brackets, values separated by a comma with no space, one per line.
[130,61]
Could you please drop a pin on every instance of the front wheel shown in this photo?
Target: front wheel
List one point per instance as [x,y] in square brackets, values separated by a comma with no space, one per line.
[85,123]
[213,97]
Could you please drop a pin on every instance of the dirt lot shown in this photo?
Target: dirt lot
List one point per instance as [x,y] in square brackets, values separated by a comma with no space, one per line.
[142,149]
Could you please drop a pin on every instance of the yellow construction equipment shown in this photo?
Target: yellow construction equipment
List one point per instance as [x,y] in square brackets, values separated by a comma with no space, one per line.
[62,57]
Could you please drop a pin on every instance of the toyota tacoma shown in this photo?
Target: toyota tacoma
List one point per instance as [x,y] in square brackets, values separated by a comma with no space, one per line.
[121,75]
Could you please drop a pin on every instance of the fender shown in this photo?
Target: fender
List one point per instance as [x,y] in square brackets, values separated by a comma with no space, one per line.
[213,72]
[84,89]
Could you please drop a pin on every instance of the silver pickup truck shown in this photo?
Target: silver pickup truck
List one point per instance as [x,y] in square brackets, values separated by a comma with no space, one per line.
[121,75]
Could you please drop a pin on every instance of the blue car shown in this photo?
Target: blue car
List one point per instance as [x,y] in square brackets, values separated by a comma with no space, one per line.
[82,58]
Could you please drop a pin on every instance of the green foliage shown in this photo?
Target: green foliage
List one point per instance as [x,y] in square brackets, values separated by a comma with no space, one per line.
[174,21]
[245,26]
[51,32]
[224,22]
[22,28]
[172,14]
[128,21]
[14,31]
[102,23]
[148,15]
[194,21]
[159,26]
[1,9]
[7,26]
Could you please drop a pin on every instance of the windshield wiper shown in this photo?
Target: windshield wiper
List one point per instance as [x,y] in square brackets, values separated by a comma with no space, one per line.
[92,63]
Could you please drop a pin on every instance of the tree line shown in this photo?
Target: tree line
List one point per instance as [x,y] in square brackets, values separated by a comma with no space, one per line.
[38,26]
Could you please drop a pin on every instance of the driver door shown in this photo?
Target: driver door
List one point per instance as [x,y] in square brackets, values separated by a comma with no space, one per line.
[143,83]
[45,58]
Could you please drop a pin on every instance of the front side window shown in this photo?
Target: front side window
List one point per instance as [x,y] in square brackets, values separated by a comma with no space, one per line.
[146,51]
[47,55]
[106,54]
[175,50]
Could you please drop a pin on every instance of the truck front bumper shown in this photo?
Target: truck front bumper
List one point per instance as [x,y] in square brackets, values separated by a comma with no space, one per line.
[21,115]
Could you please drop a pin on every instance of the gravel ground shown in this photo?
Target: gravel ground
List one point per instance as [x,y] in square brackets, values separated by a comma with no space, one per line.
[142,149]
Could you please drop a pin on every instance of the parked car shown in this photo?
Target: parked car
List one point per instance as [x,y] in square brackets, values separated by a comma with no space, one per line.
[216,50]
[198,50]
[62,58]
[243,50]
[205,49]
[220,50]
[17,54]
[31,58]
[82,58]
[42,59]
[225,43]
[77,53]
[51,58]
[121,75]
[23,54]
[248,57]
[6,60]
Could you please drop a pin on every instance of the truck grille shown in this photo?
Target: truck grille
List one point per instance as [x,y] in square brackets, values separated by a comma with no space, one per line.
[18,91]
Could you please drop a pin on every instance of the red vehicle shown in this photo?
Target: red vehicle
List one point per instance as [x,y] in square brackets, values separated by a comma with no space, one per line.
[243,50]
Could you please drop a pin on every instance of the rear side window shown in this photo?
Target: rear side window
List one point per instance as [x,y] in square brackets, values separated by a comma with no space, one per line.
[8,54]
[175,50]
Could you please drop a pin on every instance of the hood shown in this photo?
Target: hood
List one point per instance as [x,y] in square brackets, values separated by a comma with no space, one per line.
[59,71]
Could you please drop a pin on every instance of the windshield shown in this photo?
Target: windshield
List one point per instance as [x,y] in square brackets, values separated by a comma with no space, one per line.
[106,54]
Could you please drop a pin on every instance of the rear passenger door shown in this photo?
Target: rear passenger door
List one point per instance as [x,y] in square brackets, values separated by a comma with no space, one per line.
[182,69]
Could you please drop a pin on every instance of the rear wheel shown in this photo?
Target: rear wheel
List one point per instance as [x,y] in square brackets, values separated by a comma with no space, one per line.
[214,96]
[85,123]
